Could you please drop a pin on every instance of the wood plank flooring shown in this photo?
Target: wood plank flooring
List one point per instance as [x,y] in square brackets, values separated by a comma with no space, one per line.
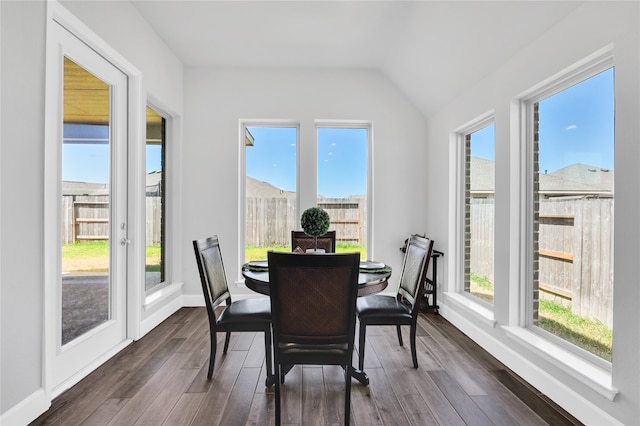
[162,380]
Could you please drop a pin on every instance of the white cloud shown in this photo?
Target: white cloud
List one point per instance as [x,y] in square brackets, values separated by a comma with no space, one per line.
[571,127]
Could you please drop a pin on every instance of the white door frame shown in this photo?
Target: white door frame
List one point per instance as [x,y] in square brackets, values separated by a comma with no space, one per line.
[58,17]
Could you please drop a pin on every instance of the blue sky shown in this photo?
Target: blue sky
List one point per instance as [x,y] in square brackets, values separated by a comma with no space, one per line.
[342,162]
[576,126]
[85,154]
[272,158]
[342,159]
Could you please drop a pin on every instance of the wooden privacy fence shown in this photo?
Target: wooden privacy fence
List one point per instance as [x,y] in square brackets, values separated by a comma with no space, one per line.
[86,218]
[576,254]
[269,221]
[575,251]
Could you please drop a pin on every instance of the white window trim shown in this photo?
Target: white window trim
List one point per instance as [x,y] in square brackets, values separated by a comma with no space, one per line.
[454,291]
[356,124]
[58,15]
[583,366]
[172,247]
[242,173]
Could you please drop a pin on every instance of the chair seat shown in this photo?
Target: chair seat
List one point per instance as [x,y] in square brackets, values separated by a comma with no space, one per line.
[380,309]
[314,354]
[246,313]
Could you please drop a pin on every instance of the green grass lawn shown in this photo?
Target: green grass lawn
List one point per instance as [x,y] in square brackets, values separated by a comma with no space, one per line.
[588,334]
[591,335]
[92,256]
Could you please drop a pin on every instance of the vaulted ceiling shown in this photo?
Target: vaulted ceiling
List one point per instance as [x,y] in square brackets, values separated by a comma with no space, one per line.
[432,50]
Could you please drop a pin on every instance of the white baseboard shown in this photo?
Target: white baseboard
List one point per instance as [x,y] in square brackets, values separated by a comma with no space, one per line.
[26,410]
[192,300]
[84,372]
[568,398]
[161,314]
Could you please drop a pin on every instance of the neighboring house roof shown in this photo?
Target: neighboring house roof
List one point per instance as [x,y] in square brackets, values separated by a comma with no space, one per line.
[259,189]
[87,188]
[84,188]
[153,180]
[583,174]
[575,179]
[255,188]
[483,173]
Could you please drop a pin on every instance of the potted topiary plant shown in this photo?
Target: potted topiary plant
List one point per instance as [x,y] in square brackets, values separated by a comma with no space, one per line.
[315,222]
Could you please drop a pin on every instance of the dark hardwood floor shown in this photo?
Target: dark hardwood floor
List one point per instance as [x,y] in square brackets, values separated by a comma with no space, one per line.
[161,380]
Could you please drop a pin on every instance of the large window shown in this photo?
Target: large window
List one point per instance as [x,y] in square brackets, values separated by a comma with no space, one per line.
[342,184]
[572,210]
[270,189]
[479,211]
[155,200]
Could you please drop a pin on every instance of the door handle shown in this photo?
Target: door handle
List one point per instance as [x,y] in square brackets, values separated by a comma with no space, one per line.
[125,241]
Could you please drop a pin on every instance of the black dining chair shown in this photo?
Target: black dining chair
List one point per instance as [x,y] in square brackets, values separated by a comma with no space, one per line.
[301,242]
[402,309]
[313,302]
[242,315]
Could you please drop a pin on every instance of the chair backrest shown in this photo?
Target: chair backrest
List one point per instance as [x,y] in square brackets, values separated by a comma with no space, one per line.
[212,274]
[414,270]
[304,241]
[313,297]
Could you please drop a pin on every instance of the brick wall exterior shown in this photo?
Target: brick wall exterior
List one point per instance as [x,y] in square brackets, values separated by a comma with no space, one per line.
[467,213]
[536,216]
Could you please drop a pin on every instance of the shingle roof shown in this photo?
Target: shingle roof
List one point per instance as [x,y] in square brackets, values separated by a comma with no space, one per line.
[573,179]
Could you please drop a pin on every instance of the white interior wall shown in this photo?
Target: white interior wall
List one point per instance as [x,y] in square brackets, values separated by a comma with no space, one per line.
[120,25]
[408,155]
[23,39]
[588,29]
[22,30]
[215,101]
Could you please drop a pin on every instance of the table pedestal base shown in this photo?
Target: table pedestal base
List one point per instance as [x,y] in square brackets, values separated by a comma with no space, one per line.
[359,375]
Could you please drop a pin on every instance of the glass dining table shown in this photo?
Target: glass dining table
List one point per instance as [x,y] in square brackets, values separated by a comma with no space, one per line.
[373,278]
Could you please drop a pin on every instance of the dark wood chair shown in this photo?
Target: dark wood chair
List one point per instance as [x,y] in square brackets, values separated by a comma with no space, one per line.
[378,309]
[243,315]
[313,301]
[301,242]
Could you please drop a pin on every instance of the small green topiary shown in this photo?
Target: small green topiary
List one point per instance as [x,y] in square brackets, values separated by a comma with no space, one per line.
[315,221]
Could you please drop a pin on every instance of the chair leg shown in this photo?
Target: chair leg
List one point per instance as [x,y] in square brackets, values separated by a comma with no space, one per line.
[277,410]
[212,352]
[361,344]
[267,351]
[414,355]
[226,342]
[347,395]
[399,335]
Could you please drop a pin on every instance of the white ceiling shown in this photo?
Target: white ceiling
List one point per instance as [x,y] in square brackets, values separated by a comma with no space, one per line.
[432,50]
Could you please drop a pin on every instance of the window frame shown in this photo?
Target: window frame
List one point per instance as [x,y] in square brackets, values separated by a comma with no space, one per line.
[162,292]
[243,124]
[522,216]
[165,185]
[354,124]
[457,221]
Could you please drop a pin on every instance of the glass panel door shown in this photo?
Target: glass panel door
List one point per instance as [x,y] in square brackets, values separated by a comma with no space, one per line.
[85,202]
[92,236]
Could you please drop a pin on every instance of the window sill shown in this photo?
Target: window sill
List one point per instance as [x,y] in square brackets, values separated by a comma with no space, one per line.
[597,378]
[159,296]
[476,309]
